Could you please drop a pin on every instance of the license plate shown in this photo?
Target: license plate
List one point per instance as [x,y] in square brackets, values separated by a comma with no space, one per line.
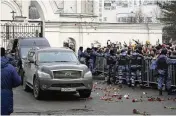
[68,89]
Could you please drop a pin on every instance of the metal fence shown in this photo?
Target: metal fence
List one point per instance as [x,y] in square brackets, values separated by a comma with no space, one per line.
[149,76]
[17,29]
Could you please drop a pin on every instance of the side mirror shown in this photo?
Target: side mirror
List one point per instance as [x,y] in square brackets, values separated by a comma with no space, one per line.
[31,60]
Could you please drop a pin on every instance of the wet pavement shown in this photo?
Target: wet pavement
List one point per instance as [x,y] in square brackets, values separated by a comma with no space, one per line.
[105,100]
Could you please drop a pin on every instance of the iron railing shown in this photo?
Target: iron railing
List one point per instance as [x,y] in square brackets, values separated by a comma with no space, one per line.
[19,29]
[149,76]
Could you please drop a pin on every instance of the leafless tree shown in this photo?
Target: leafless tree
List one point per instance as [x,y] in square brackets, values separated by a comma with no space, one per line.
[139,16]
[156,12]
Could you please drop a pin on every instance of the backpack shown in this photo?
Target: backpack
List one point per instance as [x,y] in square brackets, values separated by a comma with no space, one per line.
[162,63]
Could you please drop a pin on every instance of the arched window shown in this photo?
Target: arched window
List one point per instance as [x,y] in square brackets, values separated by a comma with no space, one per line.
[33,12]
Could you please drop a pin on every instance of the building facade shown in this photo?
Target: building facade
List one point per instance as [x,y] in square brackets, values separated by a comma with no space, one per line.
[83,22]
[129,11]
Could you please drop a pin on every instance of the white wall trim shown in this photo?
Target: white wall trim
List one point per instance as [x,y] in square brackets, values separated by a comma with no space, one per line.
[13,6]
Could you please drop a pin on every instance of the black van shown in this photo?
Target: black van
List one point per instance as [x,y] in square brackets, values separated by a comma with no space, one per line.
[21,46]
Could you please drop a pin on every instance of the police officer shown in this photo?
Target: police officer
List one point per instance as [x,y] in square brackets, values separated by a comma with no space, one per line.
[162,68]
[92,61]
[136,63]
[123,67]
[111,61]
[80,53]
[87,56]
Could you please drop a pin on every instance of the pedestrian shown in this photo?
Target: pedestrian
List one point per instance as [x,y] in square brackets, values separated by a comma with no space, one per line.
[12,58]
[9,80]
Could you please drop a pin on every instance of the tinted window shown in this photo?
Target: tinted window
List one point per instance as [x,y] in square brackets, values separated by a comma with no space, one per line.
[55,56]
[24,52]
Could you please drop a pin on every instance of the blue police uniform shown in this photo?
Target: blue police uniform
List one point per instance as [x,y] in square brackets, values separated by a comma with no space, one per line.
[80,54]
[92,60]
[162,63]
[111,63]
[136,68]
[123,67]
[87,57]
[162,70]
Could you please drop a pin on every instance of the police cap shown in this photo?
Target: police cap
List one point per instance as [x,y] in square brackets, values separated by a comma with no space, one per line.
[164,51]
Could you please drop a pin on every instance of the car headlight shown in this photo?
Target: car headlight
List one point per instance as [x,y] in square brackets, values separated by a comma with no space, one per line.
[43,74]
[88,74]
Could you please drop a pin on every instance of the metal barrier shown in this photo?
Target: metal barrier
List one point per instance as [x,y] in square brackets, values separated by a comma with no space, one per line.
[101,64]
[149,76]
[172,73]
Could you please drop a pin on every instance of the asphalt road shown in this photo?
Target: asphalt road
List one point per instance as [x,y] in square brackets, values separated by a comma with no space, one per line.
[67,104]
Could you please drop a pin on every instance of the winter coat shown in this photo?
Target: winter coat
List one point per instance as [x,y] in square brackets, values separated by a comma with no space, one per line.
[9,80]
[12,59]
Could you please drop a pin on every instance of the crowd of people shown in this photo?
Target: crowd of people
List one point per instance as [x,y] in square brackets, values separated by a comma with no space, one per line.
[112,52]
[146,49]
[162,53]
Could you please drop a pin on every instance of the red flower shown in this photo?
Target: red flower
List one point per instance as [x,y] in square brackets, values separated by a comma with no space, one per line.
[120,98]
[135,111]
[158,99]
[133,100]
[90,98]
[150,99]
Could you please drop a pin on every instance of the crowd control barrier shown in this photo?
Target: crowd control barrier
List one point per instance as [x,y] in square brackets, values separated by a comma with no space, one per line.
[149,76]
